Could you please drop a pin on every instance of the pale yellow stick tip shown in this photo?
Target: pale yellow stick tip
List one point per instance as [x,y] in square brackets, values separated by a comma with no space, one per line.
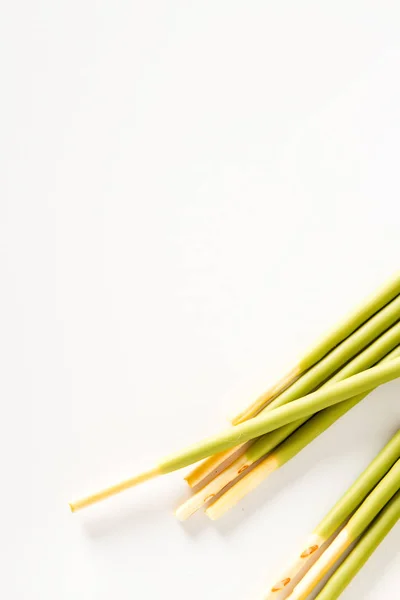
[115,489]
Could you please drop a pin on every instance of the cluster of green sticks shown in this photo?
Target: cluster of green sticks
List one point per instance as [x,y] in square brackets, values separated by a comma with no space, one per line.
[360,354]
[373,505]
[372,338]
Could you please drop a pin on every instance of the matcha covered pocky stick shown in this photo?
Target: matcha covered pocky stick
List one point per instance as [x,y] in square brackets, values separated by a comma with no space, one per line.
[337,516]
[298,409]
[347,326]
[314,377]
[286,451]
[359,522]
[365,547]
[369,357]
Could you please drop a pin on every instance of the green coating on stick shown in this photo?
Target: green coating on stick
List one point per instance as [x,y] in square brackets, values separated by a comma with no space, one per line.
[351,346]
[369,307]
[374,503]
[360,488]
[320,423]
[369,357]
[365,547]
[324,345]
[335,393]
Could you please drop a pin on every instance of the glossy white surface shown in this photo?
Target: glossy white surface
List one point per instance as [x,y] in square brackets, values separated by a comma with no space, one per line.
[190,193]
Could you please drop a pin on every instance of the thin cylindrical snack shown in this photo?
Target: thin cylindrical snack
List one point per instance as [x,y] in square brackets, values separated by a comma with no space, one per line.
[359,522]
[332,338]
[363,550]
[369,357]
[287,450]
[315,376]
[335,393]
[337,516]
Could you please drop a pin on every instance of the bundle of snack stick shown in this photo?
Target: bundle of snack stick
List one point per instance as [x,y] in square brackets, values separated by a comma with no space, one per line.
[359,354]
[373,505]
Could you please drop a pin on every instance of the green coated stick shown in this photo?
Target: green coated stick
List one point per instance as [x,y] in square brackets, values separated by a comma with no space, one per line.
[287,450]
[344,352]
[374,502]
[338,515]
[360,488]
[359,522]
[362,313]
[374,303]
[363,361]
[321,422]
[317,375]
[298,409]
[364,549]
[372,355]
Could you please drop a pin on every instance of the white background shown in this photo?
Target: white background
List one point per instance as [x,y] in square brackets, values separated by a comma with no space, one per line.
[190,193]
